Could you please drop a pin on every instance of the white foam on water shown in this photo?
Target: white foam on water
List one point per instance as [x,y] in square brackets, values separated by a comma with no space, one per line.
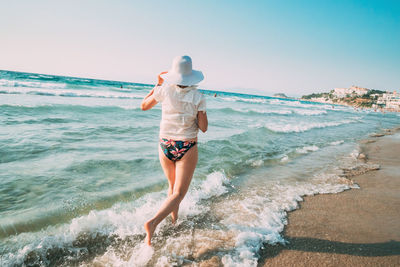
[306,149]
[302,126]
[303,112]
[55,103]
[122,219]
[45,76]
[190,206]
[271,111]
[335,143]
[247,220]
[140,256]
[252,218]
[260,219]
[28,105]
[285,158]
[258,110]
[72,92]
[250,100]
[355,153]
[301,104]
[292,103]
[8,83]
[257,163]
[142,253]
[213,186]
[310,112]
[259,214]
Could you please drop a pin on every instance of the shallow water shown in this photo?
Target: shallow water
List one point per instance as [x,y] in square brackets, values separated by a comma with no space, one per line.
[79,172]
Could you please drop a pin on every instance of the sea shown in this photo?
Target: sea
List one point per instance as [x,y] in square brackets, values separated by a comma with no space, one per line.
[79,172]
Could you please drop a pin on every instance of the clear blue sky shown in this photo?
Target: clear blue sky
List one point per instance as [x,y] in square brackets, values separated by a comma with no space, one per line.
[294,47]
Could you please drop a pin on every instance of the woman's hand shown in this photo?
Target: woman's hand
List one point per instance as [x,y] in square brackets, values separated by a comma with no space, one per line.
[161,80]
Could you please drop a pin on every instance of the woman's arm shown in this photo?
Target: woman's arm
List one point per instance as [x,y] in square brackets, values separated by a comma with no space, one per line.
[149,100]
[202,121]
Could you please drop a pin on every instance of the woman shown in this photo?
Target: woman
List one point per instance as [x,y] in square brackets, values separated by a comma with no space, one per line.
[183,114]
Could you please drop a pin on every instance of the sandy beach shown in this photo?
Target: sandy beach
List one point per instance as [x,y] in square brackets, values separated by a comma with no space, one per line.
[358,227]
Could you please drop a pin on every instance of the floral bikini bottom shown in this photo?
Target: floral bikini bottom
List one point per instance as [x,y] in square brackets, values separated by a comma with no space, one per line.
[175,150]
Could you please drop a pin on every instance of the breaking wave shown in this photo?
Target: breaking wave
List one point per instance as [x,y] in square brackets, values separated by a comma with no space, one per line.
[302,126]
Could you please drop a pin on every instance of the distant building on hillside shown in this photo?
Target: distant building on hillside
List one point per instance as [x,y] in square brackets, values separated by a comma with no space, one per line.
[352,91]
[389,101]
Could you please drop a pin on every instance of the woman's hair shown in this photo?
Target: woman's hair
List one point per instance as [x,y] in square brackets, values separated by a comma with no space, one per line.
[184,86]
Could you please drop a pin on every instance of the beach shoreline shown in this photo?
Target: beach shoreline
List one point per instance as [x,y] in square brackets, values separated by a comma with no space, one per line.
[80,174]
[358,227]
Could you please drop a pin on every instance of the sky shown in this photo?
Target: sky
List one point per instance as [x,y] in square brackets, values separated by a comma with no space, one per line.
[293,47]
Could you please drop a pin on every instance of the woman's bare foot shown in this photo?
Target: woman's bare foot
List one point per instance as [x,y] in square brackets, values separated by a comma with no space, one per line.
[150,228]
[174,218]
[174,215]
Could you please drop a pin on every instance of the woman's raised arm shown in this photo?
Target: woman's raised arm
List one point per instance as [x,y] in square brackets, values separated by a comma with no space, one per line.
[148,101]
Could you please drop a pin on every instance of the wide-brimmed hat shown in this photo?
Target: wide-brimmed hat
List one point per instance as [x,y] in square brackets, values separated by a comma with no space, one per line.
[182,72]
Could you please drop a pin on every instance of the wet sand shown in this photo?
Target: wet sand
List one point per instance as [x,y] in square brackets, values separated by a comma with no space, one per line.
[358,227]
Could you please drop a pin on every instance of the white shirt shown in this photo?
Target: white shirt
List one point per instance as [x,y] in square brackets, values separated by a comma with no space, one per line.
[179,111]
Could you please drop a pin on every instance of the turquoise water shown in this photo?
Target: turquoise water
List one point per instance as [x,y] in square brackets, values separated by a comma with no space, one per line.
[79,171]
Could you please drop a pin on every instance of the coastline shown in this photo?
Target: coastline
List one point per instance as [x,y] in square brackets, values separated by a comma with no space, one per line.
[358,227]
[254,168]
[353,105]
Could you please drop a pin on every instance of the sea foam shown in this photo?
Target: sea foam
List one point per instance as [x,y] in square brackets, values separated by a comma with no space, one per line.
[302,126]
[71,93]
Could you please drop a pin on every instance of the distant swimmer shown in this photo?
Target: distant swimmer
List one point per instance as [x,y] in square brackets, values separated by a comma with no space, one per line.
[121,86]
[215,95]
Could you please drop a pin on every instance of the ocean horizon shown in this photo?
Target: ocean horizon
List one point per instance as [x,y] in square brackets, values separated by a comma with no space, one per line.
[79,172]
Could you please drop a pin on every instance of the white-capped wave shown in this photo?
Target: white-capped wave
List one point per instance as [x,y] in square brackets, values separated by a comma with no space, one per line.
[310,112]
[306,149]
[335,143]
[245,222]
[244,99]
[300,104]
[304,112]
[285,158]
[11,83]
[272,111]
[122,219]
[290,103]
[213,186]
[302,126]
[254,217]
[261,110]
[46,76]
[260,217]
[72,93]
[257,163]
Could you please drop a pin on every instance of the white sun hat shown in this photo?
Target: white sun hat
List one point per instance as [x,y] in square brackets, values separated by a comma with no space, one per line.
[182,72]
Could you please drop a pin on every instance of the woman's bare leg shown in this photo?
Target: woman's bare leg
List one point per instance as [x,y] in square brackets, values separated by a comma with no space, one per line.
[169,171]
[184,170]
